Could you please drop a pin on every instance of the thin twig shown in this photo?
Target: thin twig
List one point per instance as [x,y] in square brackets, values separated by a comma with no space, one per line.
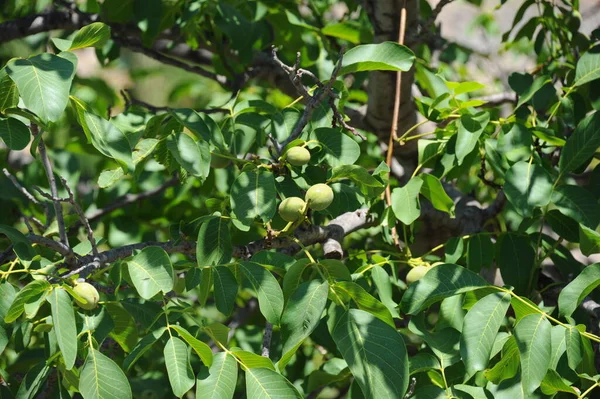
[139,48]
[130,199]
[29,196]
[131,100]
[314,100]
[52,182]
[395,116]
[331,236]
[82,218]
[266,345]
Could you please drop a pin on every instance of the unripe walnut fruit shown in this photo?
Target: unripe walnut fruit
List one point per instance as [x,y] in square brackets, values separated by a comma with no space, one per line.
[217,161]
[319,196]
[87,292]
[298,156]
[290,209]
[416,273]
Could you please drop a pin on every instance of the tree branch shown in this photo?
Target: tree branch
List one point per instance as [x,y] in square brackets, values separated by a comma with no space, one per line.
[52,182]
[330,235]
[266,345]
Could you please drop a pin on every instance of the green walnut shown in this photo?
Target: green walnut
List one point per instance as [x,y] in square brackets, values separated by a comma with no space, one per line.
[297,156]
[87,292]
[217,161]
[291,209]
[416,273]
[319,196]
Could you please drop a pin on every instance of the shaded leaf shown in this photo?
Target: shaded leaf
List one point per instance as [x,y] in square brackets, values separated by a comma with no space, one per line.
[179,370]
[301,316]
[253,195]
[44,82]
[214,247]
[440,282]
[374,351]
[101,378]
[221,379]
[480,327]
[267,384]
[528,186]
[268,291]
[533,337]
[14,133]
[573,294]
[63,318]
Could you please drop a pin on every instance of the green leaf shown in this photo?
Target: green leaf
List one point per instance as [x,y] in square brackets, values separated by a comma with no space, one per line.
[32,292]
[14,133]
[213,247]
[109,177]
[581,145]
[192,155]
[433,190]
[516,258]
[95,34]
[125,330]
[340,149]
[179,370]
[577,203]
[367,183]
[589,241]
[9,95]
[535,87]
[383,286]
[44,82]
[405,201]
[251,360]
[301,316]
[33,381]
[533,337]
[142,347]
[573,294]
[21,244]
[374,351]
[508,366]
[151,272]
[268,291]
[444,343]
[553,383]
[253,195]
[101,378]
[63,318]
[386,56]
[202,350]
[470,128]
[480,252]
[559,347]
[528,186]
[440,282]
[193,121]
[464,87]
[221,379]
[515,144]
[588,68]
[480,327]
[365,301]
[574,347]
[343,30]
[293,276]
[226,288]
[474,392]
[263,383]
[108,139]
[423,361]
[335,270]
